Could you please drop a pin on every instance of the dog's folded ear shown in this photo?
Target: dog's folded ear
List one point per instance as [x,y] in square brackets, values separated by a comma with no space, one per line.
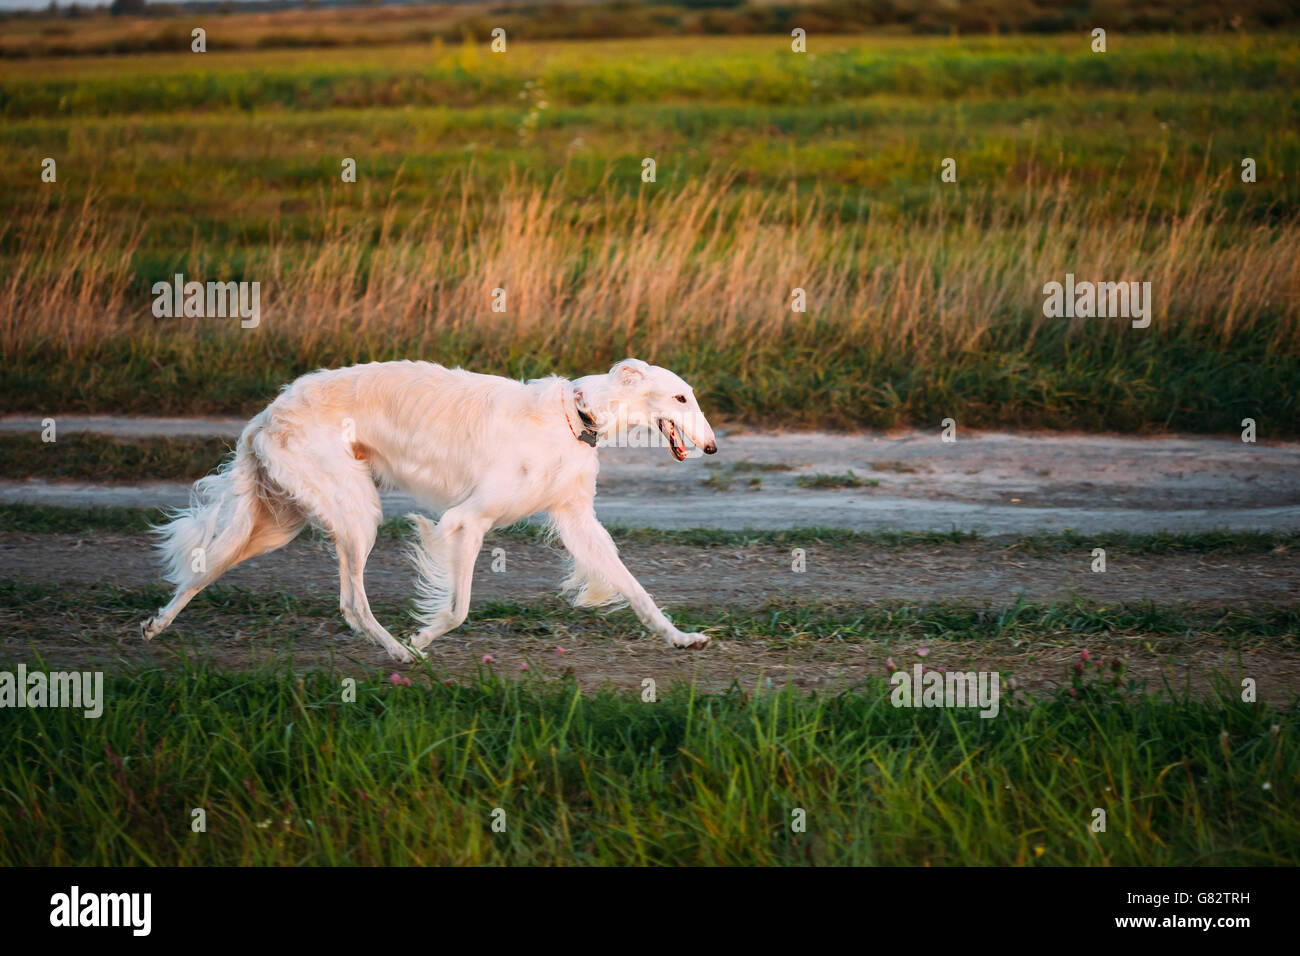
[629,371]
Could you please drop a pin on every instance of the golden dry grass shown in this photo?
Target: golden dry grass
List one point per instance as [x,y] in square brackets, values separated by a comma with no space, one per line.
[704,264]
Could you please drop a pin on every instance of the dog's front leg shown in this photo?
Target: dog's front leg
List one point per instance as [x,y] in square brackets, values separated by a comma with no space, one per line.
[447,565]
[596,556]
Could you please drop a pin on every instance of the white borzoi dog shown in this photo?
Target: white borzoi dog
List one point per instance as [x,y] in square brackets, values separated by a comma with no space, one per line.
[483,450]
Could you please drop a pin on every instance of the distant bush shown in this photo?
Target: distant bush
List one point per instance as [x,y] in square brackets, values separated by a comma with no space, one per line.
[338,26]
[697,4]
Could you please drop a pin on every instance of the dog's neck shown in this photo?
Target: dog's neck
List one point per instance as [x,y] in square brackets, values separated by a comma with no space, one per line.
[582,417]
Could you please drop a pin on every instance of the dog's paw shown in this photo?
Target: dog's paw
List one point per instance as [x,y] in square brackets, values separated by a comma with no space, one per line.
[423,639]
[693,642]
[406,654]
[427,635]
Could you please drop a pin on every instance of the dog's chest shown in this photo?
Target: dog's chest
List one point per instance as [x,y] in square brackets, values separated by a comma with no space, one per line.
[542,482]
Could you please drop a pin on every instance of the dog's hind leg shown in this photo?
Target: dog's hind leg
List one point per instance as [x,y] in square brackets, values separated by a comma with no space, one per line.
[155,625]
[445,559]
[336,492]
[353,548]
[599,574]
[353,527]
[198,553]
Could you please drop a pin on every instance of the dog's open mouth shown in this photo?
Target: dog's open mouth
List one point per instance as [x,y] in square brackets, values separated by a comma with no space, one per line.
[675,443]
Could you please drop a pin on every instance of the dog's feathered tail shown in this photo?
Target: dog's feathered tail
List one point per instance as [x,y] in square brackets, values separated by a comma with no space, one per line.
[200,541]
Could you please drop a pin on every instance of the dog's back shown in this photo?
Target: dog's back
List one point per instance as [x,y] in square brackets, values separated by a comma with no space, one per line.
[387,401]
[429,430]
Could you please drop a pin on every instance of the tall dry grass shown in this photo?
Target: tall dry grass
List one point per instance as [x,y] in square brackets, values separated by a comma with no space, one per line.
[700,264]
[907,317]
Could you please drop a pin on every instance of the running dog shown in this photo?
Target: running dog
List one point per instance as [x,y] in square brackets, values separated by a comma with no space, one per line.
[482,450]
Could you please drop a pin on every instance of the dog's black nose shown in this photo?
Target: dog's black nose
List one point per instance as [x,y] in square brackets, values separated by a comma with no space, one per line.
[711,448]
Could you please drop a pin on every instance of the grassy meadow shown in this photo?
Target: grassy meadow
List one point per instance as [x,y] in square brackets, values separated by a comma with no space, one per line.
[288,773]
[774,171]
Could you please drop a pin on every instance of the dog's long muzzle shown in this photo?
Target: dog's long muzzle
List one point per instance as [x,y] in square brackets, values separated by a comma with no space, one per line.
[677,445]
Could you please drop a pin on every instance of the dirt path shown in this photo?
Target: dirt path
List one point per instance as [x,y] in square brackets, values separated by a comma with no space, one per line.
[701,577]
[597,652]
[596,658]
[993,482]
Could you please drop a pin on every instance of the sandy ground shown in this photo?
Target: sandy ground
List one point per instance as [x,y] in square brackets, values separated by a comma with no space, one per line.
[993,482]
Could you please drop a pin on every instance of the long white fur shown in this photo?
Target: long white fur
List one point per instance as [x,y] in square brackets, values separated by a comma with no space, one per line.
[484,451]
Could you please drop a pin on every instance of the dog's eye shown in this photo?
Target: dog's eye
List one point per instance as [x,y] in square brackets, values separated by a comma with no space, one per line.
[680,398]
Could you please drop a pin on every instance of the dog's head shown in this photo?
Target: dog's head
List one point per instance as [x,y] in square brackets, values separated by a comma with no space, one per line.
[635,393]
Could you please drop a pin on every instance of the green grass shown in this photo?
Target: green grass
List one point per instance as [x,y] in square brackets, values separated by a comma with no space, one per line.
[742,467]
[1016,379]
[846,480]
[898,467]
[109,458]
[141,130]
[615,73]
[717,479]
[1161,542]
[722,477]
[289,774]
